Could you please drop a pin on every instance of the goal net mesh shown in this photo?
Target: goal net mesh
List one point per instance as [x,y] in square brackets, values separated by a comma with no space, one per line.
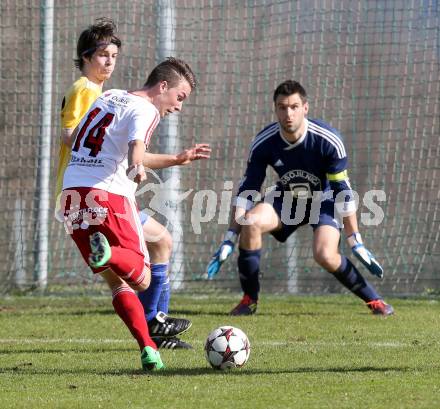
[371,69]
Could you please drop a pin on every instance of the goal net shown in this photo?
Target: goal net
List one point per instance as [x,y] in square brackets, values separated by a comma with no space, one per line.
[371,69]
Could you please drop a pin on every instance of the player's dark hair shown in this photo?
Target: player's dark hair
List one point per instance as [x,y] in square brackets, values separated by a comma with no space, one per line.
[288,88]
[100,34]
[172,70]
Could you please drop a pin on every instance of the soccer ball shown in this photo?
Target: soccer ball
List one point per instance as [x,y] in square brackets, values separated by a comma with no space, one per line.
[227,347]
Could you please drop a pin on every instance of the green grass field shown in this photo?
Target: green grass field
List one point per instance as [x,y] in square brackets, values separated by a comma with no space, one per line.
[306,352]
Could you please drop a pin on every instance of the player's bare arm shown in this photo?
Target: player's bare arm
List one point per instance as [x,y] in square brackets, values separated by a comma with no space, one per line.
[68,136]
[350,224]
[135,170]
[238,214]
[227,245]
[196,152]
[160,161]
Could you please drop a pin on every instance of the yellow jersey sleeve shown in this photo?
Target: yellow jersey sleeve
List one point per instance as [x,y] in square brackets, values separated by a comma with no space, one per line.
[77,102]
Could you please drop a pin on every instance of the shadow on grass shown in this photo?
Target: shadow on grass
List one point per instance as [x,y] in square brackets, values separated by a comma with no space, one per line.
[67,350]
[189,313]
[64,311]
[28,369]
[250,372]
[306,305]
[289,308]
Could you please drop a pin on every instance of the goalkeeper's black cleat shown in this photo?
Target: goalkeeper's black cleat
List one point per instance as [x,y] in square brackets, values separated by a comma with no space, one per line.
[247,306]
[380,307]
[164,326]
[170,343]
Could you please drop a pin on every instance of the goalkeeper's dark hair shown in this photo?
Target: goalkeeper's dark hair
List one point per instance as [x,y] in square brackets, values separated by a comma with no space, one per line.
[172,70]
[288,88]
[100,34]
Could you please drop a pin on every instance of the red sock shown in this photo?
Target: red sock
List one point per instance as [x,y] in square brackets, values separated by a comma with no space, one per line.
[127,264]
[129,308]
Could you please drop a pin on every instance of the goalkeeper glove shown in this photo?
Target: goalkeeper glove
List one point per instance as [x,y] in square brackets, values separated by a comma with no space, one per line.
[223,252]
[364,255]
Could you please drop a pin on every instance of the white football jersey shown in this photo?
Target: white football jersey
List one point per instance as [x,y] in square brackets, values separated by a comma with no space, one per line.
[99,153]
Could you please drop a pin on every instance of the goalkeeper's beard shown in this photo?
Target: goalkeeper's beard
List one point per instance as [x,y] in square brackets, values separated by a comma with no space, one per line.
[290,130]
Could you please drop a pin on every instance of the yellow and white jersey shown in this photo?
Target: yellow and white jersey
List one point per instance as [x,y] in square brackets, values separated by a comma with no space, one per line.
[76,103]
[99,153]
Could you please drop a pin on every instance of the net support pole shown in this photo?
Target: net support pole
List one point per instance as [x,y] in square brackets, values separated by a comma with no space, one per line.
[169,136]
[43,192]
[292,264]
[20,244]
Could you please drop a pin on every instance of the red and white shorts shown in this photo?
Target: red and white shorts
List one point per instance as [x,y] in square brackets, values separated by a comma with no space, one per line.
[88,210]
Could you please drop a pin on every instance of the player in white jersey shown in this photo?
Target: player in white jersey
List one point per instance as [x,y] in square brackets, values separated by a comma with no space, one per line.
[311,162]
[97,49]
[100,152]
[99,185]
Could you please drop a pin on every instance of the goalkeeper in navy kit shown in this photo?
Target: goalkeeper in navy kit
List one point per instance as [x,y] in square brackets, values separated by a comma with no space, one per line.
[313,188]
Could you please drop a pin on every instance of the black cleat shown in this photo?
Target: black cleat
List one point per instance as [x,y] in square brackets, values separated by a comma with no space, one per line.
[170,343]
[164,326]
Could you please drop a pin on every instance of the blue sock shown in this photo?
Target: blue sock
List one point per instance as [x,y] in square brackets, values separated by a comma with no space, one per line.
[249,268]
[150,297]
[348,275]
[164,299]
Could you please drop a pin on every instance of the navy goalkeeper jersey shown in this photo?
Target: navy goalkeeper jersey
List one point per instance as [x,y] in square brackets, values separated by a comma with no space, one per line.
[316,162]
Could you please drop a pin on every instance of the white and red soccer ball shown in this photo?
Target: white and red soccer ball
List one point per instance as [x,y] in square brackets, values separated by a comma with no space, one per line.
[227,347]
